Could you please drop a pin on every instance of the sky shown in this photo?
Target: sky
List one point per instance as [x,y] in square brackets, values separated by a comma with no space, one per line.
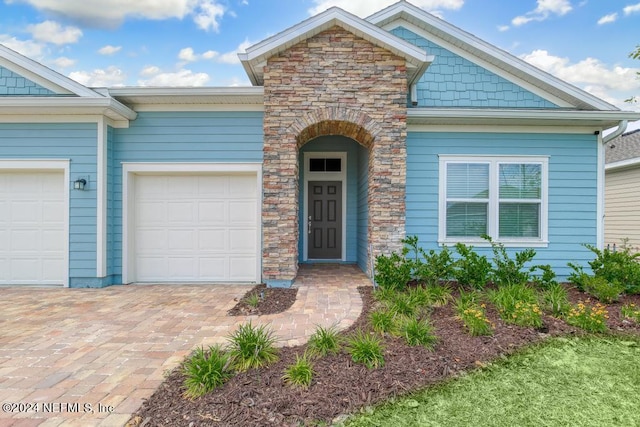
[107,43]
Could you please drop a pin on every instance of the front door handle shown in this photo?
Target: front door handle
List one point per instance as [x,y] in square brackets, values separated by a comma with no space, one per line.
[309,225]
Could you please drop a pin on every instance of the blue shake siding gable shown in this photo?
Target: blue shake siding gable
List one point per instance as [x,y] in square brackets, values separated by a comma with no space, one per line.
[453,81]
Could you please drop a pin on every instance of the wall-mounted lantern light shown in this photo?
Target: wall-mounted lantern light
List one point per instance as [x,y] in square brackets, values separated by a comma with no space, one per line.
[79,184]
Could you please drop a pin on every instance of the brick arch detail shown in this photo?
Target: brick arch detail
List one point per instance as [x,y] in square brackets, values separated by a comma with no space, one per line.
[335,121]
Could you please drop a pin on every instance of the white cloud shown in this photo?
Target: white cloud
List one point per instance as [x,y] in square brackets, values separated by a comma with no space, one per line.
[544,9]
[53,32]
[503,28]
[28,48]
[109,50]
[208,15]
[232,57]
[365,8]
[64,62]
[182,77]
[614,83]
[111,13]
[633,8]
[109,77]
[608,19]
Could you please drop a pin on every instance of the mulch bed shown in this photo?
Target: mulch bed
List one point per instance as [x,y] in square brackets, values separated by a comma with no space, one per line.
[271,301]
[339,386]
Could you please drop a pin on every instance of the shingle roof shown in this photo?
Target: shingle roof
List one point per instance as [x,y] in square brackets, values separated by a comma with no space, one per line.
[624,147]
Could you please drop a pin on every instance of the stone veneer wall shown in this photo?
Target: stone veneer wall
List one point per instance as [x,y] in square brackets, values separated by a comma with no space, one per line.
[334,83]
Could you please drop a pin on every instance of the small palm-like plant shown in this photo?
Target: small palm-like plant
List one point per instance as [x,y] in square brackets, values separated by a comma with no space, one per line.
[382,321]
[366,349]
[206,370]
[418,332]
[252,347]
[324,341]
[300,373]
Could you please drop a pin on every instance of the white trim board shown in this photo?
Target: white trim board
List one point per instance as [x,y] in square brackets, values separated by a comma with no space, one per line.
[129,172]
[324,176]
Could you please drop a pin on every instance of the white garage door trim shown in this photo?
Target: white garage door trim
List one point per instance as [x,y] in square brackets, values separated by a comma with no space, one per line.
[43,165]
[131,170]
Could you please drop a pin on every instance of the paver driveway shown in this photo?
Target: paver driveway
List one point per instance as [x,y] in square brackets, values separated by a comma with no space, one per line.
[90,356]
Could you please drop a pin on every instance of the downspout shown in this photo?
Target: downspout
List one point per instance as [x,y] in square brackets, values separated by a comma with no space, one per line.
[622,126]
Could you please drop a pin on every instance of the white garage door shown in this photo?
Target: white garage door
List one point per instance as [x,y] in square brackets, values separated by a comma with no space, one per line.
[32,228]
[196,228]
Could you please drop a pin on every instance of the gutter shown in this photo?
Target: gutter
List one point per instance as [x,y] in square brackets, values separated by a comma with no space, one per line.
[622,126]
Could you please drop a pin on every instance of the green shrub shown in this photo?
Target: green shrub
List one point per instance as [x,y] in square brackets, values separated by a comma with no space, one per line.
[206,370]
[517,303]
[602,289]
[547,279]
[590,318]
[366,349]
[393,271]
[555,300]
[471,269]
[418,332]
[324,341]
[300,373]
[631,311]
[419,296]
[507,270]
[434,266]
[252,347]
[618,266]
[382,321]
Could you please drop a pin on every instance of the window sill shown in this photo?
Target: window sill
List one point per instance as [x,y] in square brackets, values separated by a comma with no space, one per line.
[481,243]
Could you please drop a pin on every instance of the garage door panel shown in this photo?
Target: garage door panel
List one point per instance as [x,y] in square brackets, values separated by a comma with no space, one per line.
[212,240]
[204,229]
[181,212]
[212,212]
[182,240]
[243,187]
[150,239]
[239,267]
[242,212]
[242,240]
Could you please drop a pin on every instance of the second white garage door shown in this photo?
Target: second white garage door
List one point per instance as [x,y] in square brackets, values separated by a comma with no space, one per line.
[32,228]
[196,228]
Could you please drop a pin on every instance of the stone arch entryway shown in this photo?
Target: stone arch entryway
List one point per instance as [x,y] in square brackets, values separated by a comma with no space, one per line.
[385,188]
[333,83]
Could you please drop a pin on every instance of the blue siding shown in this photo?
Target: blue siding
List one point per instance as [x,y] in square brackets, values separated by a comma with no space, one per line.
[12,84]
[218,137]
[572,186]
[78,142]
[336,143]
[363,207]
[452,81]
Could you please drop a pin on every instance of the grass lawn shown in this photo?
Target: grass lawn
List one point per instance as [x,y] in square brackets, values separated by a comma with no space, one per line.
[563,382]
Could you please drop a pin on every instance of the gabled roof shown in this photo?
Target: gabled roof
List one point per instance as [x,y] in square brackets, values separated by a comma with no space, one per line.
[624,147]
[71,97]
[475,49]
[255,57]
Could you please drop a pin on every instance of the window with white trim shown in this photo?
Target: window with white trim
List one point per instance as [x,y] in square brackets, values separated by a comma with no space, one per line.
[502,196]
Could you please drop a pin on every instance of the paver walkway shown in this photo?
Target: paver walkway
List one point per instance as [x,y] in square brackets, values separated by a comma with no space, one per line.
[90,356]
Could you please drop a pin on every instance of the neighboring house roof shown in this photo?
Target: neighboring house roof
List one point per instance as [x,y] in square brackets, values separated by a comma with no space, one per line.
[255,57]
[623,150]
